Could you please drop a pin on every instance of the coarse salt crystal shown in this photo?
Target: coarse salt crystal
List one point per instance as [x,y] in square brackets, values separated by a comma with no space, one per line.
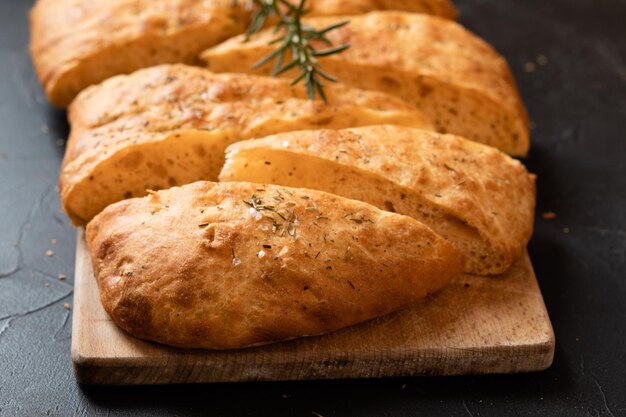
[261,254]
[255,214]
[236,261]
[285,144]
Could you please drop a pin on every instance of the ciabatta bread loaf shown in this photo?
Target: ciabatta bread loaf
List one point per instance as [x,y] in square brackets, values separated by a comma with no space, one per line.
[448,72]
[477,197]
[77,43]
[232,265]
[170,125]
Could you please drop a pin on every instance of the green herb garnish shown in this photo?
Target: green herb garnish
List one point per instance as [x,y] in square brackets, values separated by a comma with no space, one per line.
[295,41]
[286,221]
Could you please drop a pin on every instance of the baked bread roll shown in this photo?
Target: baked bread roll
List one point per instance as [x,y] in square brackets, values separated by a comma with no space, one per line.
[77,43]
[233,265]
[453,76]
[170,125]
[477,197]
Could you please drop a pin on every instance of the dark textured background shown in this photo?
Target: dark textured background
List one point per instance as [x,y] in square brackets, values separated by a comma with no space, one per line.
[577,101]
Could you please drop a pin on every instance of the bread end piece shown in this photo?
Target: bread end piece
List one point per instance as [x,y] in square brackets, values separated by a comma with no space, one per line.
[75,44]
[198,267]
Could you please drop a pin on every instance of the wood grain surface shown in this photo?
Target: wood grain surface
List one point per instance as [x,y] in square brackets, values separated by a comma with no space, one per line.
[476,325]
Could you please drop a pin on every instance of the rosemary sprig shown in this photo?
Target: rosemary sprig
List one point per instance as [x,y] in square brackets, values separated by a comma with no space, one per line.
[296,41]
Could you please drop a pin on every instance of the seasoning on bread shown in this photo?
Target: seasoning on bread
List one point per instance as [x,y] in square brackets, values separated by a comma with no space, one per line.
[477,197]
[78,43]
[233,265]
[452,75]
[169,125]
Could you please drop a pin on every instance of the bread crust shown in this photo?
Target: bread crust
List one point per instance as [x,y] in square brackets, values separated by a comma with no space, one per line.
[474,195]
[77,43]
[169,125]
[456,78]
[198,267]
[441,8]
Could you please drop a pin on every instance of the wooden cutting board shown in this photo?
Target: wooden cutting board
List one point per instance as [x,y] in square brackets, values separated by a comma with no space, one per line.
[475,325]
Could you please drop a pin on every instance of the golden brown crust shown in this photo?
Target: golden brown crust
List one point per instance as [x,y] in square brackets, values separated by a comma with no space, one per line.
[169,125]
[448,72]
[441,8]
[455,186]
[77,43]
[197,267]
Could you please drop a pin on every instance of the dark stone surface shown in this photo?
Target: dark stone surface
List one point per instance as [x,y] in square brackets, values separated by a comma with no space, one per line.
[577,101]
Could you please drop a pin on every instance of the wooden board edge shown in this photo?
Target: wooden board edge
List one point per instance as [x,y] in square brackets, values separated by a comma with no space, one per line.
[534,357]
[92,371]
[79,361]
